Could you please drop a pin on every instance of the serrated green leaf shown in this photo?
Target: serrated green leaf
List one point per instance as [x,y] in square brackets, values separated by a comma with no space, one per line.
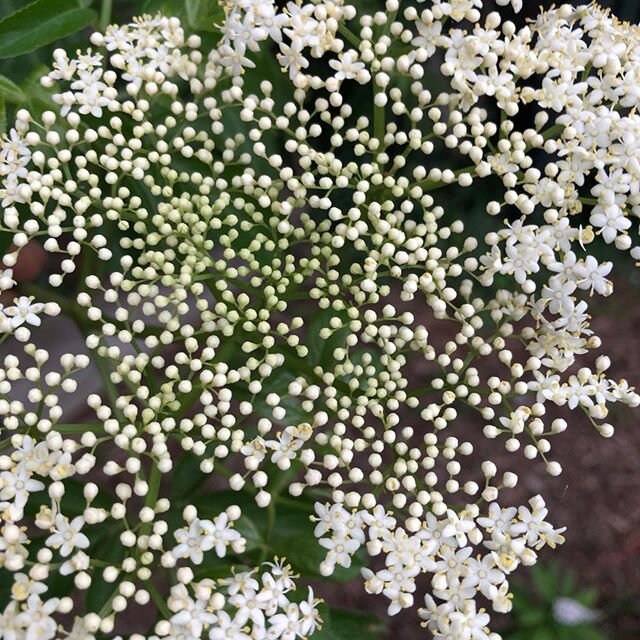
[40,23]
[11,92]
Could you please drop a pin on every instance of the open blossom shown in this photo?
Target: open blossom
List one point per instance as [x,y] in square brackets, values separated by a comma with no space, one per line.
[347,67]
[252,610]
[68,535]
[204,535]
[25,311]
[16,486]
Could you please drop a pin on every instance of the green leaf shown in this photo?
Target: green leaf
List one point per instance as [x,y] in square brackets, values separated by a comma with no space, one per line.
[532,616]
[587,633]
[588,597]
[186,476]
[321,349]
[543,634]
[354,624]
[39,23]
[39,97]
[194,9]
[249,531]
[100,590]
[166,7]
[3,129]
[293,538]
[344,624]
[217,568]
[202,15]
[10,91]
[546,582]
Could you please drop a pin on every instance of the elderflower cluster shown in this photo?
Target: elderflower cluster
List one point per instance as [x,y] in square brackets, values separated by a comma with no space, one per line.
[277,290]
[249,605]
[442,547]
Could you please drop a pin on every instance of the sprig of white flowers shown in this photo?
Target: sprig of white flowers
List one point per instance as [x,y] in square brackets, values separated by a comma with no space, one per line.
[229,204]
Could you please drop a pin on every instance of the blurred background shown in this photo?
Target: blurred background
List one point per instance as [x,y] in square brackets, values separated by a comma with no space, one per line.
[589,589]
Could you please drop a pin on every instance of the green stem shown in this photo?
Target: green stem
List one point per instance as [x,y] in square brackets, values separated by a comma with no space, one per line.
[70,429]
[152,494]
[553,131]
[351,37]
[378,121]
[3,116]
[432,185]
[105,14]
[271,521]
[106,609]
[157,598]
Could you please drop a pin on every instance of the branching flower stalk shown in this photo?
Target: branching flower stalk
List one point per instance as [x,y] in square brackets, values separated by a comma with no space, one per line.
[280,265]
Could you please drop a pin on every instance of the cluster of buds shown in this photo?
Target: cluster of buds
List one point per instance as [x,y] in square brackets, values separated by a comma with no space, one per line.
[281,268]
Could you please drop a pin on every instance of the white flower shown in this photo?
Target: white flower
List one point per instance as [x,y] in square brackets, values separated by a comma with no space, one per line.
[222,534]
[226,200]
[287,625]
[37,620]
[227,628]
[339,550]
[309,618]
[470,624]
[6,279]
[194,617]
[24,586]
[610,219]
[483,574]
[347,67]
[592,276]
[16,485]
[498,519]
[68,535]
[25,311]
[558,295]
[79,562]
[192,542]
[378,521]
